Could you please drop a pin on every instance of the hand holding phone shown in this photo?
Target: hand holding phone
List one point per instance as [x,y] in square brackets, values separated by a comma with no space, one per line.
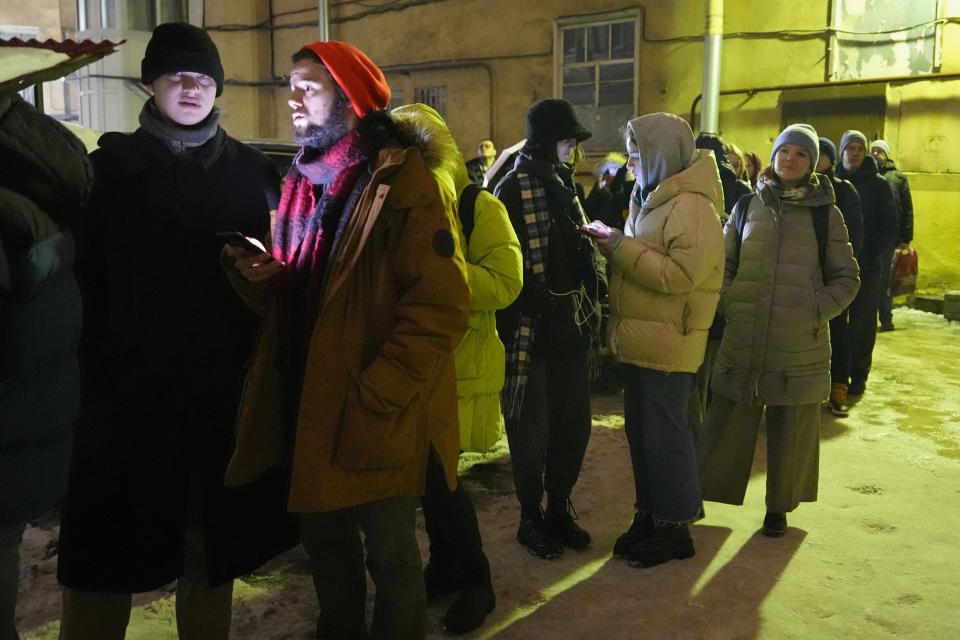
[250,257]
[240,241]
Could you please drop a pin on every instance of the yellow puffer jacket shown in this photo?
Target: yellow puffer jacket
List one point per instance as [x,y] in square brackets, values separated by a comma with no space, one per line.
[668,271]
[495,277]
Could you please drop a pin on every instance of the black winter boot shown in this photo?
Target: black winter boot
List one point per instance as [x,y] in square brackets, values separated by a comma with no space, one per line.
[472,604]
[533,534]
[774,524]
[665,543]
[560,523]
[641,528]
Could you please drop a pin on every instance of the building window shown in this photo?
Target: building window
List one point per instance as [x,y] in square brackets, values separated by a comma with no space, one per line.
[435,97]
[597,73]
[396,98]
[876,48]
[145,15]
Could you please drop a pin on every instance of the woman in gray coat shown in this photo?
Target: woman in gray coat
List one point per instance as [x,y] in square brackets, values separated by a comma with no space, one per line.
[781,288]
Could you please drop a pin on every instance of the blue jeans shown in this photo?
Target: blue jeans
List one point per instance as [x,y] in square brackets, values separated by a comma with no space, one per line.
[661,444]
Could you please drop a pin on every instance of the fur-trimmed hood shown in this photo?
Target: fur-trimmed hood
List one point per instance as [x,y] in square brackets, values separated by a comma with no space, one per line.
[422,126]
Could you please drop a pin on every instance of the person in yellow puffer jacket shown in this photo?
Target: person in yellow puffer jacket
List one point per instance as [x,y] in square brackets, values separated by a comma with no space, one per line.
[495,277]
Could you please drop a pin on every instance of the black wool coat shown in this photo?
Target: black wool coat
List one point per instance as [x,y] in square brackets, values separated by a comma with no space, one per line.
[162,361]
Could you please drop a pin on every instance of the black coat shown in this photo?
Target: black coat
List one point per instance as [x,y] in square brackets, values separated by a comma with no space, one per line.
[848,201]
[162,361]
[879,213]
[900,190]
[568,262]
[44,184]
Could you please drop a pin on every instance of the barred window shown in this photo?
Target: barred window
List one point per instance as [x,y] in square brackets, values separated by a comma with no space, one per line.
[435,97]
[597,70]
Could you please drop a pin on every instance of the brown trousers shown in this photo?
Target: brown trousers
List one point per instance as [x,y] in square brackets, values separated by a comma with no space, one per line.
[729,438]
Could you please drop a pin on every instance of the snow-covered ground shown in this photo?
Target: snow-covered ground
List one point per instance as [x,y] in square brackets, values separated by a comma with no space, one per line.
[877,557]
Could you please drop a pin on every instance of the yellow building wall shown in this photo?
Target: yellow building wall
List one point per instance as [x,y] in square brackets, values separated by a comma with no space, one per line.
[496,58]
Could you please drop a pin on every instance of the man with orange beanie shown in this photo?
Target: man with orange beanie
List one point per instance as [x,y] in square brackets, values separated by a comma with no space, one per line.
[352,384]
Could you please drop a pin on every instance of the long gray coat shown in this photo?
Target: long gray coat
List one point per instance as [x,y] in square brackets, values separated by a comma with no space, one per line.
[776,345]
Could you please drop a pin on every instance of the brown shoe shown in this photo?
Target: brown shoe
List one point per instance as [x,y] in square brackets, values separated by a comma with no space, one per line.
[838,400]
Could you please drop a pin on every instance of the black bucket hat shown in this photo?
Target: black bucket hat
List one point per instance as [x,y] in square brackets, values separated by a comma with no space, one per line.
[554,119]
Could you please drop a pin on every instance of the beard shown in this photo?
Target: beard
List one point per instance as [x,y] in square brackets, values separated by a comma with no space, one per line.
[324,136]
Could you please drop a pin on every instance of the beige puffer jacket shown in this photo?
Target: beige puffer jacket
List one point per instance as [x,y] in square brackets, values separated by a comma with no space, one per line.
[668,269]
[777,304]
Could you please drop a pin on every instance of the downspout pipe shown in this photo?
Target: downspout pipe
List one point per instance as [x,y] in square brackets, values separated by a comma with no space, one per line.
[712,51]
[323,24]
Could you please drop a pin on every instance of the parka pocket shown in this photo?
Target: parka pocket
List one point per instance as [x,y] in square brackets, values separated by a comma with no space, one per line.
[372,440]
[814,310]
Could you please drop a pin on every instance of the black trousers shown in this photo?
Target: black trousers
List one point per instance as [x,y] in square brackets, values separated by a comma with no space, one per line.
[863,326]
[549,438]
[840,348]
[456,548]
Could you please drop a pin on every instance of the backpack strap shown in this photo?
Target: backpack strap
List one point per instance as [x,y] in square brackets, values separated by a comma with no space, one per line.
[467,207]
[821,229]
[739,212]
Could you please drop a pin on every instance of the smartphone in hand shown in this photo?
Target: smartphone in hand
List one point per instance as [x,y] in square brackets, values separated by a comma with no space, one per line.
[240,241]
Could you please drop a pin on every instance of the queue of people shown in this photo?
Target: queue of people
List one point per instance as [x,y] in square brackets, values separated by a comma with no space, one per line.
[267,361]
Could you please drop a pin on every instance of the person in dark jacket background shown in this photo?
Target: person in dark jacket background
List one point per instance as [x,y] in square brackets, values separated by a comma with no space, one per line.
[609,198]
[43,188]
[848,201]
[733,187]
[551,332]
[879,236]
[162,357]
[903,201]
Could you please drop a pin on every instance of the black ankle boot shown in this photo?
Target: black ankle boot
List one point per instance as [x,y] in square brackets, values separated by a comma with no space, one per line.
[533,534]
[641,528]
[560,524]
[774,524]
[473,602]
[665,543]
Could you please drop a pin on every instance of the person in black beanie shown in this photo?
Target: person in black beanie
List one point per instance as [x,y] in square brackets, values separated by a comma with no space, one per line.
[551,332]
[848,201]
[162,361]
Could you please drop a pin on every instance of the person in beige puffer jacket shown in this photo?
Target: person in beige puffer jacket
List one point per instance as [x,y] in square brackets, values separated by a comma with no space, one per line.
[775,352]
[667,273]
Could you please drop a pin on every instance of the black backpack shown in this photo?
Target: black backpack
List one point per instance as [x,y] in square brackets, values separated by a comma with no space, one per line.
[467,207]
[821,227]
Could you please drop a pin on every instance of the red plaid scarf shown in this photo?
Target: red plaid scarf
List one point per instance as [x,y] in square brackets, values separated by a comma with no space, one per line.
[305,231]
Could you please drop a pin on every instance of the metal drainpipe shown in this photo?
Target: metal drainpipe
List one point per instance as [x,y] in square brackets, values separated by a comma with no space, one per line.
[323,8]
[712,49]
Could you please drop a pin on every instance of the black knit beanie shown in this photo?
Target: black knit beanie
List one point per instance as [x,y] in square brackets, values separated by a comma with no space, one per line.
[552,120]
[177,46]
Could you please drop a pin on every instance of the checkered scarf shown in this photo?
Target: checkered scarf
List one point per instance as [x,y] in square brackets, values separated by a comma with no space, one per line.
[536,220]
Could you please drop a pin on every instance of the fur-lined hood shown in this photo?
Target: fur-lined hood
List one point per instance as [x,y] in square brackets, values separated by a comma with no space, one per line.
[422,126]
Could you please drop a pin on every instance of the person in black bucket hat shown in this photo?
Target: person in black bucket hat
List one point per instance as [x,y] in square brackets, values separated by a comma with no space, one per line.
[552,120]
[162,360]
[551,332]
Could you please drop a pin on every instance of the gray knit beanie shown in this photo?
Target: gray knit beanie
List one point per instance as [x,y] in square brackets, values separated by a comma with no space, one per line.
[850,136]
[882,145]
[802,135]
